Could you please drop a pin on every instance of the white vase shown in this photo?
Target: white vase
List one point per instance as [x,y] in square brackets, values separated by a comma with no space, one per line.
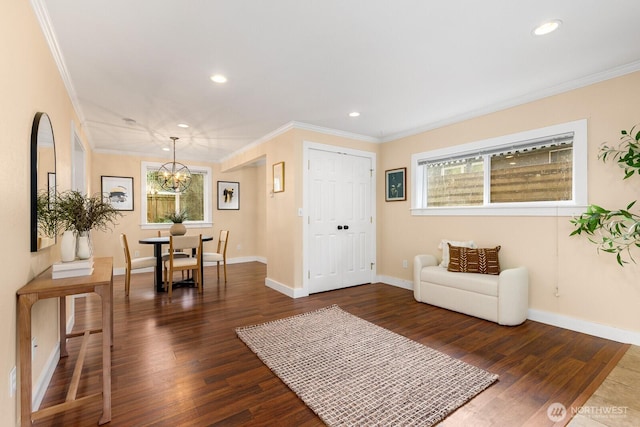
[68,246]
[84,246]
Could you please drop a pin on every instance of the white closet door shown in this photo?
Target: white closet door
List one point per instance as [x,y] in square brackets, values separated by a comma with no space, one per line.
[340,225]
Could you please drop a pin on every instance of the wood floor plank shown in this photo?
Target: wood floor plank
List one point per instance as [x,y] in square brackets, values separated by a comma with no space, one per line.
[181,363]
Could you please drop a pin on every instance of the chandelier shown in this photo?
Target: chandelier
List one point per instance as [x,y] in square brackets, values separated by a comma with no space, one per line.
[174,177]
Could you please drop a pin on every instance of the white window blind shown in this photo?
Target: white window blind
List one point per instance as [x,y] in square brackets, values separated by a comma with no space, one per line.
[534,168]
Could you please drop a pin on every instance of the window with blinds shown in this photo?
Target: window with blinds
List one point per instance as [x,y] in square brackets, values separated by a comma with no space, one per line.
[529,169]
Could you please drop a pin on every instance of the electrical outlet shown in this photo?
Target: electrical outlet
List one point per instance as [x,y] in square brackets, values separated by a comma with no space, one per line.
[239,248]
[12,382]
[405,264]
[136,254]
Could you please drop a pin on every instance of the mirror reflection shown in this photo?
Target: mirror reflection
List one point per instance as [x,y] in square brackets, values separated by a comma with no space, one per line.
[43,183]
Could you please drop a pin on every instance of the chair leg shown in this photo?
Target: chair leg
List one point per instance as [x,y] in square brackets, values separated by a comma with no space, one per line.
[127,281]
[225,270]
[218,268]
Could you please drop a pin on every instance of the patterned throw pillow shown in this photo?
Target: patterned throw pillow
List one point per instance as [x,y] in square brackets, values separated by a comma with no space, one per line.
[444,246]
[468,260]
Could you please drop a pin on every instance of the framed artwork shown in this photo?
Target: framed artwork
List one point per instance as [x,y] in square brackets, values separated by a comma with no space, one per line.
[278,177]
[118,190]
[228,195]
[395,188]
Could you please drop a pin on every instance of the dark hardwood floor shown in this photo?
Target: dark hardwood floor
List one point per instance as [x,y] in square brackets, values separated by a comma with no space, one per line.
[181,364]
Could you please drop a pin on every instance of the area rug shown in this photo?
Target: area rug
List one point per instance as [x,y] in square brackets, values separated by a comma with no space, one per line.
[354,373]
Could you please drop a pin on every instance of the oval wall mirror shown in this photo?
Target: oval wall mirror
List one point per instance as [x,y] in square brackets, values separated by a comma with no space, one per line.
[43,183]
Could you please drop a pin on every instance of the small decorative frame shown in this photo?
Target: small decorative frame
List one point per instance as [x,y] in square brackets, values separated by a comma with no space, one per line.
[228,195]
[396,185]
[278,177]
[118,190]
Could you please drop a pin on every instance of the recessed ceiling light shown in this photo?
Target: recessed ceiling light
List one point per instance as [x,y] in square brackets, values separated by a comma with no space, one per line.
[547,27]
[183,125]
[218,78]
[354,114]
[166,149]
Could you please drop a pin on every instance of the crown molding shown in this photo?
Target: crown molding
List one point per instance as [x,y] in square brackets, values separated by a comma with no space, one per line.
[521,100]
[42,14]
[335,132]
[301,126]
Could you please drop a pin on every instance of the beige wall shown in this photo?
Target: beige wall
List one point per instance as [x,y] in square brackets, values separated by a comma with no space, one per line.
[243,224]
[283,233]
[29,83]
[591,286]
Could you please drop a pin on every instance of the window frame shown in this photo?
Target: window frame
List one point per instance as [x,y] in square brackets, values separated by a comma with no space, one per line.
[544,208]
[207,190]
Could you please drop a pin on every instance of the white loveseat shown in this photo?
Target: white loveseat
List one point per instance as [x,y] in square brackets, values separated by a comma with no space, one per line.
[502,298]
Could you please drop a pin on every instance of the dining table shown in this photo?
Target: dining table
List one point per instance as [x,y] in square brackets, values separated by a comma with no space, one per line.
[157,243]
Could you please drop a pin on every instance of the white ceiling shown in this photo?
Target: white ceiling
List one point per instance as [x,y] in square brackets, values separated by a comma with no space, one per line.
[406,65]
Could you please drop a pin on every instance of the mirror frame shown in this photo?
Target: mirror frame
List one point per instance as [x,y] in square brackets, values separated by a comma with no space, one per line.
[35,128]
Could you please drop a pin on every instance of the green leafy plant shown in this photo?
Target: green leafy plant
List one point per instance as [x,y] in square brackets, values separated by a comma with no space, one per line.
[177,217]
[615,231]
[81,213]
[48,224]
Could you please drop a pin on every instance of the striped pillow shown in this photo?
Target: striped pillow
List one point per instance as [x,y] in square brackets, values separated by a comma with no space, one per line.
[468,260]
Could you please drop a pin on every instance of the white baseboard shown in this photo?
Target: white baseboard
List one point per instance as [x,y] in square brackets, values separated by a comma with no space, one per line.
[240,260]
[237,260]
[41,385]
[44,379]
[585,327]
[553,319]
[284,289]
[394,281]
[121,271]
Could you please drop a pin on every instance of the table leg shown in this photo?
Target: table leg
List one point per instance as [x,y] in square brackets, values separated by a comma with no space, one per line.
[105,294]
[157,252]
[63,326]
[25,302]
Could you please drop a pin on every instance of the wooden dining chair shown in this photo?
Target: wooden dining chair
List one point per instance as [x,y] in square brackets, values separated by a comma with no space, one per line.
[175,263]
[133,263]
[178,252]
[220,256]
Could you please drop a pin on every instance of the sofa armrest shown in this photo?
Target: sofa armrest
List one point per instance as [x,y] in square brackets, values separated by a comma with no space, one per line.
[420,261]
[513,296]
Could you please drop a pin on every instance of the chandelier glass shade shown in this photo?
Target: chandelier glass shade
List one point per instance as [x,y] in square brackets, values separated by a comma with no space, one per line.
[174,176]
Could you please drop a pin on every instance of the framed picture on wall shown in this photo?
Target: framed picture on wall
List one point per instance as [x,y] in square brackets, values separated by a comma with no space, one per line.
[118,190]
[228,195]
[395,188]
[278,177]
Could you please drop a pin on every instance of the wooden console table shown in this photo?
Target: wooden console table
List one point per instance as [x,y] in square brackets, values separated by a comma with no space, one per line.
[43,286]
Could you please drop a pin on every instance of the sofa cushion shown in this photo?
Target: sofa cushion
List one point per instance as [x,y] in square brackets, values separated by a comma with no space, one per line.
[467,260]
[485,284]
[444,246]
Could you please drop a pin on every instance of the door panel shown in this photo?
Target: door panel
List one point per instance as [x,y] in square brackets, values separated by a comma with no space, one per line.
[340,213]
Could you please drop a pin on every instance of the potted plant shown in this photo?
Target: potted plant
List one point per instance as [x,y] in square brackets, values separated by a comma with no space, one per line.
[80,214]
[177,218]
